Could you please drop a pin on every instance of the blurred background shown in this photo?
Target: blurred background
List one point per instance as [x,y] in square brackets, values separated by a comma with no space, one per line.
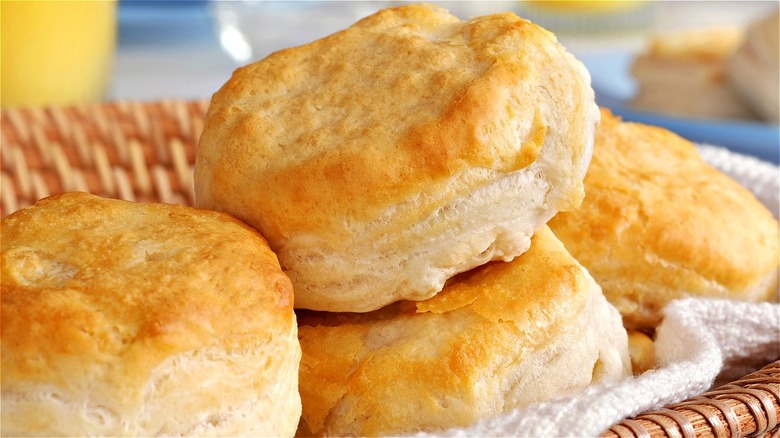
[184,49]
[189,48]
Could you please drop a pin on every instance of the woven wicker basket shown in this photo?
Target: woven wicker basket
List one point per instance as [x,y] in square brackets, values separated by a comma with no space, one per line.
[144,151]
[128,150]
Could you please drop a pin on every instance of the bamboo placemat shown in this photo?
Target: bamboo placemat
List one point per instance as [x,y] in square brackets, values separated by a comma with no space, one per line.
[144,151]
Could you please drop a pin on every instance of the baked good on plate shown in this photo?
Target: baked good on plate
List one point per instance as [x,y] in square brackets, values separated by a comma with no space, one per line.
[385,158]
[500,336]
[659,223]
[121,318]
[754,69]
[683,73]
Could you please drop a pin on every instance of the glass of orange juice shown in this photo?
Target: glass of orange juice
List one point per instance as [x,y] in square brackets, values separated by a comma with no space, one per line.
[56,52]
[590,16]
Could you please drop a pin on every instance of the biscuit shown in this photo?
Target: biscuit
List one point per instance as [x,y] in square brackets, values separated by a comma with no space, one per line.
[683,73]
[641,349]
[500,336]
[659,223]
[385,158]
[121,318]
[754,69]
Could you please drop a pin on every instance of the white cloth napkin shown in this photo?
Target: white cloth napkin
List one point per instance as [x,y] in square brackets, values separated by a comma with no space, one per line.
[698,341]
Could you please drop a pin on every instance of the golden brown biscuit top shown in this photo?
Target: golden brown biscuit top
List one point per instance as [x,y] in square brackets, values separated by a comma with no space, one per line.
[653,203]
[534,294]
[549,277]
[109,289]
[393,107]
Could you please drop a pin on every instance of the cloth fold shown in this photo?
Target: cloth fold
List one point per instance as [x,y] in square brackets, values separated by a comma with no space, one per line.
[700,342]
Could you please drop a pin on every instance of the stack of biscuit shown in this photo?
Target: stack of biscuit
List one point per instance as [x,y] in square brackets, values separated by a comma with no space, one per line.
[404,170]
[724,72]
[683,73]
[392,182]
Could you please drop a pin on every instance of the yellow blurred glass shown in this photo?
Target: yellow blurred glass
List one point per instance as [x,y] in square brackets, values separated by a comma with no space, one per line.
[585,6]
[55,52]
[590,17]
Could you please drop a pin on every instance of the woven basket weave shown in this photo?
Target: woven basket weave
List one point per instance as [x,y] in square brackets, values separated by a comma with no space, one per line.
[144,151]
[128,150]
